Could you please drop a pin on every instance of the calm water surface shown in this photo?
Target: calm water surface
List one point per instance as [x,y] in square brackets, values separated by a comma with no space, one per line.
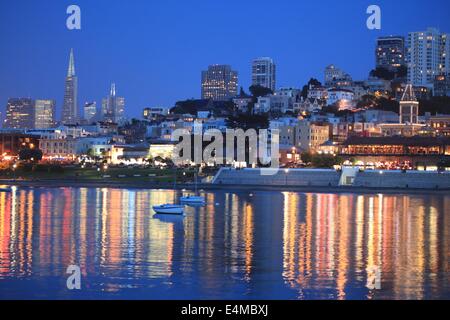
[265,245]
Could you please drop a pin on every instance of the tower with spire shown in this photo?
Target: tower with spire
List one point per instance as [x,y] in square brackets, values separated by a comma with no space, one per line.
[70,105]
[409,106]
[113,107]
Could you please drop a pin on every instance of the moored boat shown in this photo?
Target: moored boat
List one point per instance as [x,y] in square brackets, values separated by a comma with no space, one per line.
[169,209]
[193,199]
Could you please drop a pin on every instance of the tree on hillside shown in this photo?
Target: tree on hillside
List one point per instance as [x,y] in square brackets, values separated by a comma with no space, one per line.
[30,155]
[259,91]
[248,121]
[312,82]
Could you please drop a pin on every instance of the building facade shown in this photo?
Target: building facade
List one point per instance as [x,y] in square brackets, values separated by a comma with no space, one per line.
[310,136]
[335,77]
[70,105]
[219,83]
[264,73]
[390,52]
[19,114]
[428,56]
[90,111]
[12,142]
[44,114]
[441,86]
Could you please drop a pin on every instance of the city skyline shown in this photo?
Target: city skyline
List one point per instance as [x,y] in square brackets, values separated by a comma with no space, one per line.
[97,69]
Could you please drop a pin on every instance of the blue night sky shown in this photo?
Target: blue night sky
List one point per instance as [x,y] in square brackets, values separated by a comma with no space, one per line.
[155,50]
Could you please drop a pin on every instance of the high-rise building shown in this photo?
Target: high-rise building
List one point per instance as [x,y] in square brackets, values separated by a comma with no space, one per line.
[113,107]
[409,107]
[219,83]
[70,105]
[335,77]
[264,73]
[428,56]
[90,111]
[390,52]
[442,86]
[19,114]
[44,114]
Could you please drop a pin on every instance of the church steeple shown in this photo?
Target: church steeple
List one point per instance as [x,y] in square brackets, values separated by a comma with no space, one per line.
[71,70]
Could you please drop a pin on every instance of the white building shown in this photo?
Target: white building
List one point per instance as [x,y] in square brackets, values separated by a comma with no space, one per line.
[317,92]
[274,103]
[428,56]
[342,97]
[264,73]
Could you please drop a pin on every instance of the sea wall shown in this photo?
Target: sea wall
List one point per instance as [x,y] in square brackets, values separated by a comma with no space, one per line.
[293,177]
[332,178]
[398,179]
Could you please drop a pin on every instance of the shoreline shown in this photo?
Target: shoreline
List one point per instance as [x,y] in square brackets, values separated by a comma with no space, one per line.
[211,187]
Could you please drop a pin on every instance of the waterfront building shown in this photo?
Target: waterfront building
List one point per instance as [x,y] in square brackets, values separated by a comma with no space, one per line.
[394,152]
[264,73]
[11,142]
[19,114]
[44,114]
[390,52]
[70,105]
[309,136]
[428,56]
[113,107]
[441,123]
[90,111]
[58,149]
[161,149]
[219,83]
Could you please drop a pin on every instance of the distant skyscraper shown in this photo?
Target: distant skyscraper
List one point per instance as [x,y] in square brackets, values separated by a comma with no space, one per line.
[428,56]
[19,114]
[70,106]
[90,111]
[264,73]
[44,114]
[390,52]
[113,107]
[219,83]
[409,107]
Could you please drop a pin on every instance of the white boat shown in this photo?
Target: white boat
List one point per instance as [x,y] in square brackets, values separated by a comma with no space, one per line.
[193,199]
[169,209]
